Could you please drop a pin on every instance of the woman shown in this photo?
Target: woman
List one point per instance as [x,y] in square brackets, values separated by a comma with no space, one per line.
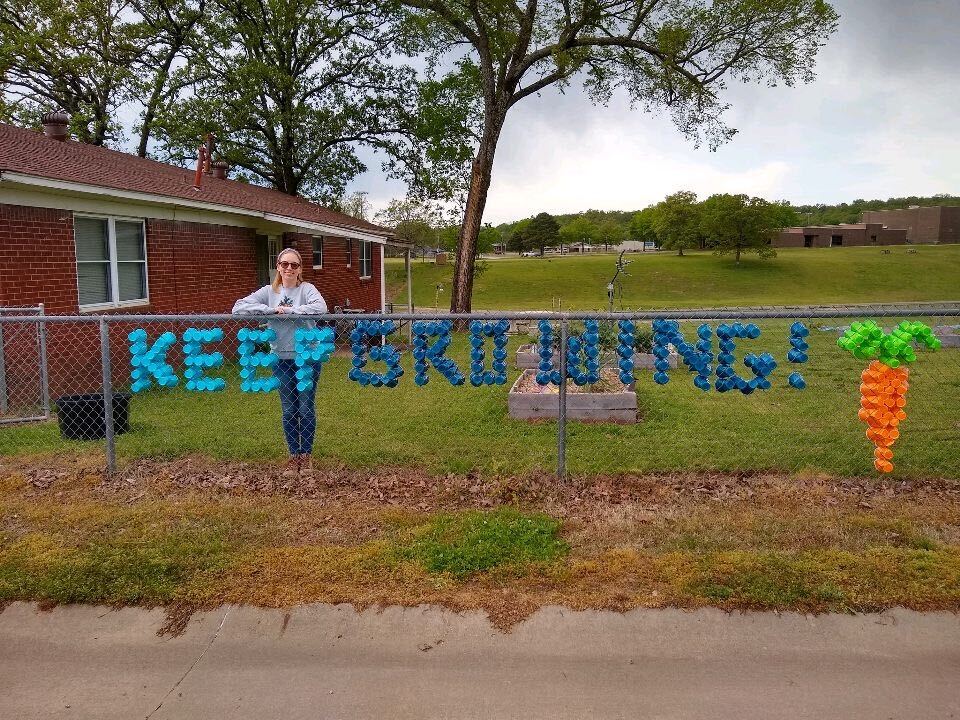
[290,295]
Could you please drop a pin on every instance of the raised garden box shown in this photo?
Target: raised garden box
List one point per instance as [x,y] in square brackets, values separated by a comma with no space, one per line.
[645,361]
[529,401]
[948,336]
[527,358]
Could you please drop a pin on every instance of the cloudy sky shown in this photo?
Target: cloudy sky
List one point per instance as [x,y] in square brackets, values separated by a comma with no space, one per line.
[880,121]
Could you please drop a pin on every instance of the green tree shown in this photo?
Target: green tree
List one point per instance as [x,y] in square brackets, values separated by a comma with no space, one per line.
[170,29]
[488,236]
[543,232]
[74,55]
[447,238]
[519,240]
[291,88]
[676,221]
[413,221]
[579,230]
[355,205]
[611,233]
[642,226]
[673,54]
[738,224]
[784,214]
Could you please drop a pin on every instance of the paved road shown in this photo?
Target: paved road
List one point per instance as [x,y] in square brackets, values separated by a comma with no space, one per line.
[332,662]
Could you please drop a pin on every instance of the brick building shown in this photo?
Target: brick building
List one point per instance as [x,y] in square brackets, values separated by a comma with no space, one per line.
[114,231]
[820,236]
[924,225]
[85,229]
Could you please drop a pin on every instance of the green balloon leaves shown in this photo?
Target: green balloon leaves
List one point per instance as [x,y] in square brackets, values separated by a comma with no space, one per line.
[866,340]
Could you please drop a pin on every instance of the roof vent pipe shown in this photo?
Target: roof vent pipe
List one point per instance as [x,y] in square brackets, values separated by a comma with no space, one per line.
[220,169]
[55,125]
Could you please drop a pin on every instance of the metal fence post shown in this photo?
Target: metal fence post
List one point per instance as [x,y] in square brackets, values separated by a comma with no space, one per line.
[562,414]
[44,372]
[107,395]
[3,376]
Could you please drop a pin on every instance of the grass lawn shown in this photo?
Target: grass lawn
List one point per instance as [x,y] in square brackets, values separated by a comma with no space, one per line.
[433,495]
[446,429]
[797,276]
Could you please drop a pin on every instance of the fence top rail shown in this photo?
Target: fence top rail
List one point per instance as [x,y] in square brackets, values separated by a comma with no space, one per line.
[23,310]
[946,309]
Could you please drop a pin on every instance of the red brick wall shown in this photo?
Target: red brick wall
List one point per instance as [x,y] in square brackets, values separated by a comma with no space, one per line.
[787,239]
[949,224]
[198,268]
[192,268]
[335,281]
[44,238]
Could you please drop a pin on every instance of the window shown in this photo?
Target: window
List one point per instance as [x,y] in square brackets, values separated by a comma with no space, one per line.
[349,244]
[366,258]
[273,250]
[111,262]
[318,252]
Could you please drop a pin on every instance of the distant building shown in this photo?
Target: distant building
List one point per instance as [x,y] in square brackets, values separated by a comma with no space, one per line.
[636,246]
[854,234]
[924,225]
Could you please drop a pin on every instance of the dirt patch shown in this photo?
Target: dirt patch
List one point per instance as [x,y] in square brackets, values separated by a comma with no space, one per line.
[410,489]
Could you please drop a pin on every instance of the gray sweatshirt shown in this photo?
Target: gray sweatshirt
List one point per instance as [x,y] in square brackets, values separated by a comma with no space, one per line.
[304,299]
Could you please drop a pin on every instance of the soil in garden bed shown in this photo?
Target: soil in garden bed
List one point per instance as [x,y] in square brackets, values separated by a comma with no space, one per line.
[609,383]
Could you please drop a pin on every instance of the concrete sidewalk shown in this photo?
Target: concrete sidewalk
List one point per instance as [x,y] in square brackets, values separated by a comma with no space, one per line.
[332,662]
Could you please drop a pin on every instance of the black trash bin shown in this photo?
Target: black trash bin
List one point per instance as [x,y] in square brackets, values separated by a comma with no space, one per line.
[81,416]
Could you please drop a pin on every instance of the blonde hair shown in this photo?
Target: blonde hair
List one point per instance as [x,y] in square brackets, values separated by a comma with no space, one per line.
[278,280]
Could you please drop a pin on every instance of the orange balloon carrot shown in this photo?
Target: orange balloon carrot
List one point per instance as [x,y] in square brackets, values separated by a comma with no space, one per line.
[884,383]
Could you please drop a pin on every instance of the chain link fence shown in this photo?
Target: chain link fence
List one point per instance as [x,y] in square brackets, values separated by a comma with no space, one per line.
[24,386]
[735,390]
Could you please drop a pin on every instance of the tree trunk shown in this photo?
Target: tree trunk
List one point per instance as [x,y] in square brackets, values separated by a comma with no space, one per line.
[461,295]
[738,254]
[150,112]
[680,252]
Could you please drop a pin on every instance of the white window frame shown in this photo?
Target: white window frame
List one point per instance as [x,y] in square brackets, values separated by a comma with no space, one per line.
[313,252]
[114,273]
[349,247]
[274,248]
[369,259]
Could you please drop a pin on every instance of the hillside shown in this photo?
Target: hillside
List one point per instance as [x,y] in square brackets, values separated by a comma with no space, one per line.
[795,276]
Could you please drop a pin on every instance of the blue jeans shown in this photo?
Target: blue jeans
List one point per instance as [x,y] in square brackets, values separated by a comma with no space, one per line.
[298,408]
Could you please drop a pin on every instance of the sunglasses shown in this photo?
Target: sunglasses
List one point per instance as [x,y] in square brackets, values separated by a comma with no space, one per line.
[284,264]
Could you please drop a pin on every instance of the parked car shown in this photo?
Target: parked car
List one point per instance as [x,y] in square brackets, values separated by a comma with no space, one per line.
[530,253]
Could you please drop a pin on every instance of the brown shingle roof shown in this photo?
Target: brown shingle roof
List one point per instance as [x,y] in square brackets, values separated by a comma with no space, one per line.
[32,153]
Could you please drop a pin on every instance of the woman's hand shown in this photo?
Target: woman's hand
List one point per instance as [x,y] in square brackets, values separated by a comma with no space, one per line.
[283,310]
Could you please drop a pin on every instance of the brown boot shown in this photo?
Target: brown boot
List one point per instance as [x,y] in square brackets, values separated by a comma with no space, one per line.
[292,468]
[306,464]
